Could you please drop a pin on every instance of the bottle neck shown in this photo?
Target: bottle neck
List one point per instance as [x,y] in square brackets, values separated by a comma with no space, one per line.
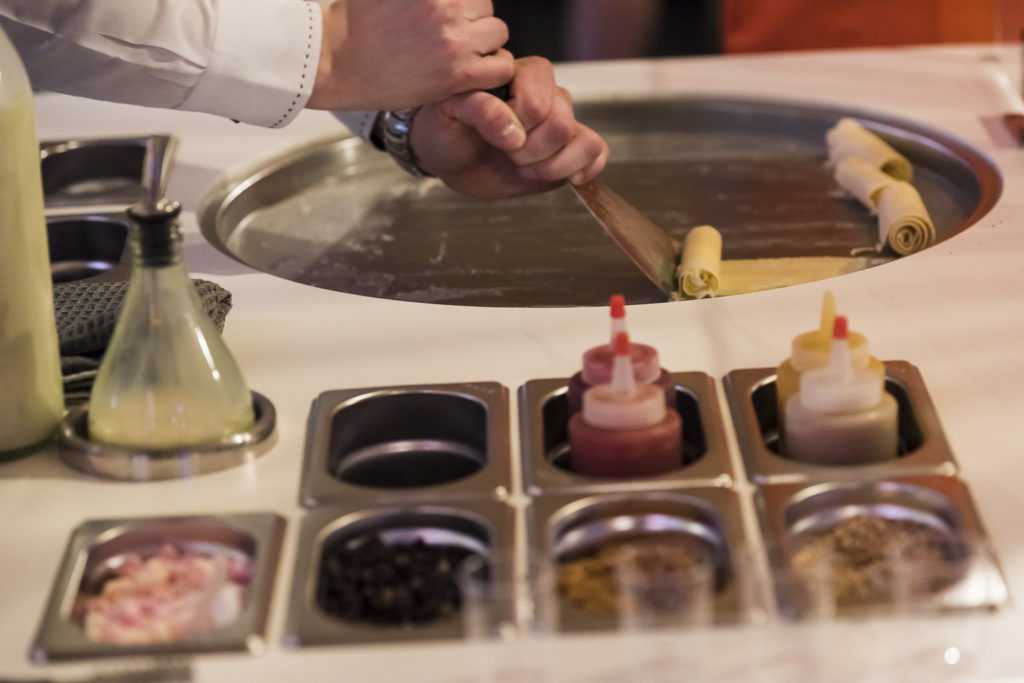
[813,350]
[156,237]
[598,361]
[607,408]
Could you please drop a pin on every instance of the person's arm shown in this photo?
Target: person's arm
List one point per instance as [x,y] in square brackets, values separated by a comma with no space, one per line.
[256,61]
[215,56]
[482,146]
[390,54]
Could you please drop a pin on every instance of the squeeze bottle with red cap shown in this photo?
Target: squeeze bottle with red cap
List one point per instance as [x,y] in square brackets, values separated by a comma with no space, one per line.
[598,361]
[842,414]
[624,429]
[811,350]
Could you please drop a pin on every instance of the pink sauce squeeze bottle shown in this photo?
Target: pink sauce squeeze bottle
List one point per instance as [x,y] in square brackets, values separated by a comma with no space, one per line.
[624,428]
[842,414]
[597,363]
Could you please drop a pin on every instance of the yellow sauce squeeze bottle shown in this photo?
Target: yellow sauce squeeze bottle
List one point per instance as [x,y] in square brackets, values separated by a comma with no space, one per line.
[842,414]
[811,350]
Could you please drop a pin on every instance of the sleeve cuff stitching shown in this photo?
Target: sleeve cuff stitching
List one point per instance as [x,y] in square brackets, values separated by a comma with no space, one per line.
[305,71]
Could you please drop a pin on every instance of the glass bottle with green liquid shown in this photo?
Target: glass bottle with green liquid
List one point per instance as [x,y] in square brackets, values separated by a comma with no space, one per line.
[167,379]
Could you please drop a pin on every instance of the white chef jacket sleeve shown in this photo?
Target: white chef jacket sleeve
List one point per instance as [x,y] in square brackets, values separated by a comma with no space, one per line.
[248,60]
[359,123]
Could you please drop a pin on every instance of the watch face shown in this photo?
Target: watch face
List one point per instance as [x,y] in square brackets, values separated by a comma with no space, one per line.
[397,125]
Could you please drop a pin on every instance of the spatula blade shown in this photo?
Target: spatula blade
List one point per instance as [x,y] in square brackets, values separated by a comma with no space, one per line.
[652,249]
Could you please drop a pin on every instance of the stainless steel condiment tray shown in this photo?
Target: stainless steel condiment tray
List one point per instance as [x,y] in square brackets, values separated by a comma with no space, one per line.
[923,447]
[562,526]
[92,172]
[544,425]
[422,441]
[136,464]
[483,526]
[98,547]
[791,514]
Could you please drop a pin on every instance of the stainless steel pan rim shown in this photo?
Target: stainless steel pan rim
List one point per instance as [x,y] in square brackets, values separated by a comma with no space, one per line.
[585,522]
[428,441]
[586,537]
[834,496]
[822,520]
[396,522]
[399,238]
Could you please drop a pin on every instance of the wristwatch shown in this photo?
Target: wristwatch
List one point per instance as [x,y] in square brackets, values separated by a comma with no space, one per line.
[391,134]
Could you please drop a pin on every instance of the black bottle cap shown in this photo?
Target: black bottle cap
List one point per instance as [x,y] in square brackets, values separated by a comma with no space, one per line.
[157,234]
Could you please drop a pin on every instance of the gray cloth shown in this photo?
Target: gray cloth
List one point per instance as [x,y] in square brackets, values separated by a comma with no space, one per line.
[86,315]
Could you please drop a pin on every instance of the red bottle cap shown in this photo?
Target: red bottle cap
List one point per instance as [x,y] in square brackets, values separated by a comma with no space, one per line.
[840,328]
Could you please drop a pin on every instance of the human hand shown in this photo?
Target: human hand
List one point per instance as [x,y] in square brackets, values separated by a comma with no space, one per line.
[392,54]
[487,148]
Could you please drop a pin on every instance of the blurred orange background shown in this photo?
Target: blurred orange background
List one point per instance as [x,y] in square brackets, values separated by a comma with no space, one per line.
[767,25]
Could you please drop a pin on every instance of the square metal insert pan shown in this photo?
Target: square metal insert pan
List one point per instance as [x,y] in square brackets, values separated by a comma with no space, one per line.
[96,545]
[789,512]
[88,245]
[543,415]
[923,446]
[417,441]
[485,526]
[563,524]
[92,172]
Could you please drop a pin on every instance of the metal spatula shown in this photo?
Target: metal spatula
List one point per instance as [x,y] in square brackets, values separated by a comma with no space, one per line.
[649,246]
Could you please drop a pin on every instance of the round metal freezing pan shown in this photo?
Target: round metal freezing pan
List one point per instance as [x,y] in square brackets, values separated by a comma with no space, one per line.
[340,215]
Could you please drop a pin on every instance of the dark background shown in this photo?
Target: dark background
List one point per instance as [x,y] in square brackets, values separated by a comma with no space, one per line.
[537,27]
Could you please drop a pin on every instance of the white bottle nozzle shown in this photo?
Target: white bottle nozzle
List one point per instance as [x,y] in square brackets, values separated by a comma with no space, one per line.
[814,349]
[623,403]
[840,386]
[599,360]
[623,382]
[840,360]
[617,304]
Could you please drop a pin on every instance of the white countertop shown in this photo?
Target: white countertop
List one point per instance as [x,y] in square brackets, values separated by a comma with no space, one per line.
[956,311]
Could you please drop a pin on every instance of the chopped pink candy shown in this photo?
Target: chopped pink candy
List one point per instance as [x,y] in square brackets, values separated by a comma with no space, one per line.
[167,597]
